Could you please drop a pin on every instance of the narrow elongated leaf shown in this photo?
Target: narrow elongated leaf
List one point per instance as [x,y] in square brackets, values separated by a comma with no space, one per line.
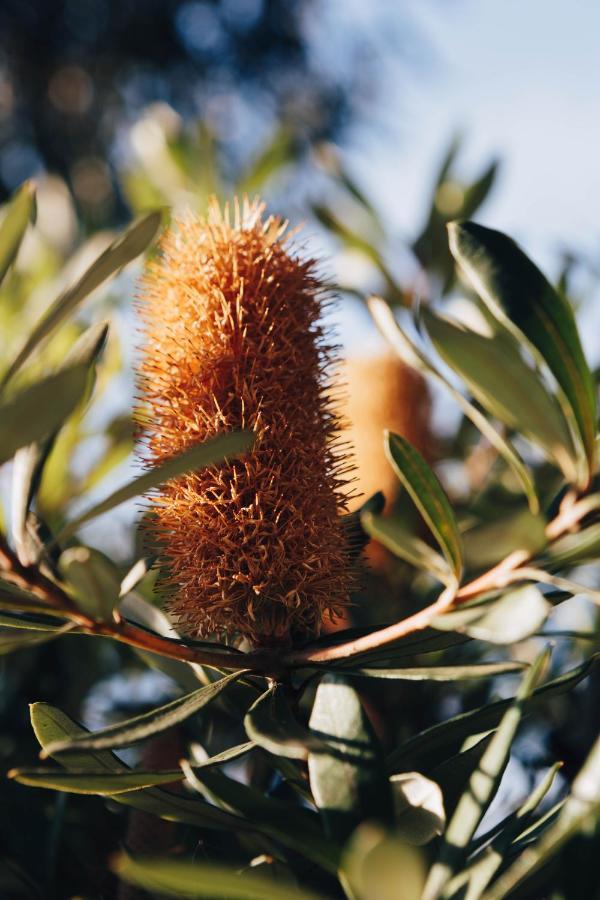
[488,543]
[51,725]
[176,878]
[393,535]
[197,457]
[453,774]
[270,815]
[574,549]
[12,597]
[482,788]
[512,617]
[121,252]
[87,782]
[498,377]
[29,461]
[13,639]
[581,808]
[347,780]
[483,868]
[124,734]
[428,496]
[21,211]
[39,409]
[414,357]
[440,741]
[13,620]
[441,673]
[507,280]
[272,725]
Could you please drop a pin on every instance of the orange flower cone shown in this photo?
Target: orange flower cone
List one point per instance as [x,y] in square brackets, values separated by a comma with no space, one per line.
[233,339]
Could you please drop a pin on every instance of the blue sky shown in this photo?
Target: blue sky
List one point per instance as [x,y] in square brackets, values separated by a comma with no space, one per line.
[521,78]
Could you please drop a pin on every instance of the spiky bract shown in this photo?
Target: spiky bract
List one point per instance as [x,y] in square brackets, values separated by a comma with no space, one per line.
[233,339]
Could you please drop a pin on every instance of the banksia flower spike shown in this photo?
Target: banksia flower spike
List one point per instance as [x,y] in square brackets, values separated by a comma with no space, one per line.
[233,339]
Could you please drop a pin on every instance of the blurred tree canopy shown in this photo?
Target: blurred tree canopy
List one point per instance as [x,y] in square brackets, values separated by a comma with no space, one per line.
[75,73]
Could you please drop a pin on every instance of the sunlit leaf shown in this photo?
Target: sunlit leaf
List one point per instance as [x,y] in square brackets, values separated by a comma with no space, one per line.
[87,782]
[414,357]
[94,580]
[428,496]
[271,724]
[39,409]
[495,373]
[178,878]
[418,807]
[441,673]
[197,457]
[482,787]
[124,734]
[512,617]
[379,864]
[507,280]
[391,532]
[121,252]
[347,780]
[21,210]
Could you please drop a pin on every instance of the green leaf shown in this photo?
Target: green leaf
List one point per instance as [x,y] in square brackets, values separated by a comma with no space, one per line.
[39,409]
[346,780]
[493,369]
[391,532]
[428,496]
[441,673]
[581,809]
[453,774]
[196,457]
[512,617]
[574,549]
[13,639]
[379,865]
[20,212]
[176,878]
[489,543]
[124,734]
[267,814]
[51,725]
[121,252]
[418,807]
[414,357]
[94,580]
[272,725]
[12,597]
[87,782]
[482,788]
[13,620]
[482,869]
[29,461]
[507,280]
[440,741]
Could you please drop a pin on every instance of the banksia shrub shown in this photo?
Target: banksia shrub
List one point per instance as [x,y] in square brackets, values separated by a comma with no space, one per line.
[233,339]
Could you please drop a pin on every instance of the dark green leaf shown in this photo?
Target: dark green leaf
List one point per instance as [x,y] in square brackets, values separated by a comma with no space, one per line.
[88,782]
[124,734]
[441,673]
[493,369]
[581,808]
[39,409]
[20,212]
[121,252]
[51,725]
[272,725]
[393,534]
[512,617]
[438,742]
[482,787]
[197,457]
[347,780]
[453,774]
[428,496]
[414,357]
[510,283]
[94,580]
[178,878]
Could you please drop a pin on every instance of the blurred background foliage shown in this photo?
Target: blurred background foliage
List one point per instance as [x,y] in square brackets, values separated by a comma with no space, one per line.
[117,108]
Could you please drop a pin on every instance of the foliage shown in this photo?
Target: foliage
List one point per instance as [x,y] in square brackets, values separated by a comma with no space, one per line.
[364,764]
